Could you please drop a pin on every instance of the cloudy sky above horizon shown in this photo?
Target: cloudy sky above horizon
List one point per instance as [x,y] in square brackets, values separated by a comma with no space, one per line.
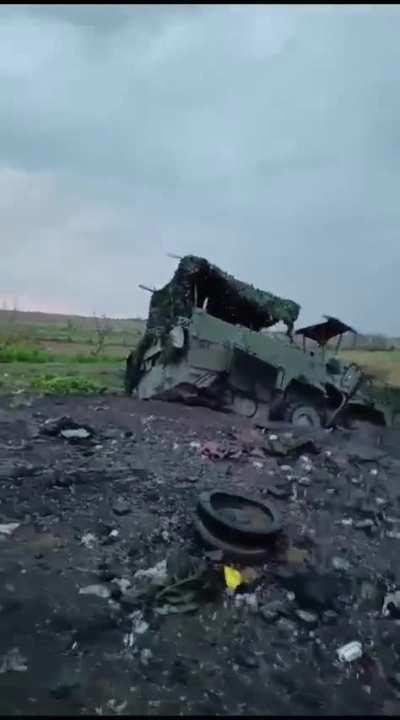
[265,138]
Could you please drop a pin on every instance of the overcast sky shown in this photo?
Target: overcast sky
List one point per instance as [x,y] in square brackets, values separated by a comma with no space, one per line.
[265,138]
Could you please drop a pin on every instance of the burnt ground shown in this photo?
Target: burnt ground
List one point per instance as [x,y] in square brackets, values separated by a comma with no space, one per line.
[269,649]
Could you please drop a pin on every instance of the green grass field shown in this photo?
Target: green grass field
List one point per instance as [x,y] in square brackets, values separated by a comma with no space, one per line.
[56,353]
[384,365]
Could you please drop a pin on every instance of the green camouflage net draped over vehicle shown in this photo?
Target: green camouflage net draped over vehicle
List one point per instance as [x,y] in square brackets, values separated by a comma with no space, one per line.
[196,282]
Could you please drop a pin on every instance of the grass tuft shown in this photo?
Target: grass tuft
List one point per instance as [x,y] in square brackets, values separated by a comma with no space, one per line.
[65,385]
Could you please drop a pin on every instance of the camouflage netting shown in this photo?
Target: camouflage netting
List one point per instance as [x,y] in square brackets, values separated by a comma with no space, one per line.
[196,281]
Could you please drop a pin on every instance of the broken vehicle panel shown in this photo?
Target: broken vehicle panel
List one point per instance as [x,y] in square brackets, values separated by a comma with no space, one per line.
[204,344]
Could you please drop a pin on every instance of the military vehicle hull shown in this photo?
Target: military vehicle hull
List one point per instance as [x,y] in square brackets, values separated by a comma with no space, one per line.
[205,344]
[259,376]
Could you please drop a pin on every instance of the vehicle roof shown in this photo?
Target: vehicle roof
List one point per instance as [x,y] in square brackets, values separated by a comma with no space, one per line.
[325,331]
[229,299]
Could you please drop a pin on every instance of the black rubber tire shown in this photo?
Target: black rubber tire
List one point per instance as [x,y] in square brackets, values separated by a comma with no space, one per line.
[232,551]
[232,532]
[294,411]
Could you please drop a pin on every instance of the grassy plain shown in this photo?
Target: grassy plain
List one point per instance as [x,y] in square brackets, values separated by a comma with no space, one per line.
[383,365]
[59,353]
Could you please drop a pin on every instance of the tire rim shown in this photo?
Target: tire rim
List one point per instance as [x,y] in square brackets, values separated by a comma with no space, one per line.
[306,417]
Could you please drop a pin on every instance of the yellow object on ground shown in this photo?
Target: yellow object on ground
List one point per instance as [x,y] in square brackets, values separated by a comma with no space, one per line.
[233,577]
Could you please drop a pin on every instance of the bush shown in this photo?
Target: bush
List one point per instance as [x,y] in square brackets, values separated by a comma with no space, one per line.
[66,385]
[30,354]
[87,359]
[23,353]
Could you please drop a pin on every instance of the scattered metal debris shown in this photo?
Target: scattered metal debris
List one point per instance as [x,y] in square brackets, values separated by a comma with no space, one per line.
[13,661]
[100,590]
[350,652]
[8,528]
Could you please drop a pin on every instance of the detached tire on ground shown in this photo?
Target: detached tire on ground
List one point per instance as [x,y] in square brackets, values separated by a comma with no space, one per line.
[242,527]
[303,415]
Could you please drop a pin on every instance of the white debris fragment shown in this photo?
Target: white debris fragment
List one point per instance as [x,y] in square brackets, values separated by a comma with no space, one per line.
[247,599]
[75,433]
[257,464]
[350,652]
[13,661]
[139,626]
[175,446]
[145,655]
[118,709]
[99,590]
[373,471]
[8,528]
[364,524]
[393,534]
[286,468]
[123,583]
[272,437]
[339,563]
[114,533]
[195,444]
[89,540]
[129,640]
[328,453]
[157,572]
[345,521]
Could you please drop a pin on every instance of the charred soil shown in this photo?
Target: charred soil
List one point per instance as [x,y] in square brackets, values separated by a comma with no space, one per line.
[81,515]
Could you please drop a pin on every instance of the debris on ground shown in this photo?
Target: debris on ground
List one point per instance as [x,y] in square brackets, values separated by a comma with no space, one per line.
[233,578]
[99,590]
[243,527]
[67,428]
[89,540]
[134,606]
[75,434]
[350,652]
[13,661]
[8,528]
[255,445]
[391,605]
[180,585]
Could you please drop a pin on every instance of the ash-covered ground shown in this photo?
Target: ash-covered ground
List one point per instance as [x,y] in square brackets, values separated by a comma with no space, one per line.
[80,520]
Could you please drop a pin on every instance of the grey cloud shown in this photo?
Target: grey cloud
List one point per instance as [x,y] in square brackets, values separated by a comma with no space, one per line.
[265,137]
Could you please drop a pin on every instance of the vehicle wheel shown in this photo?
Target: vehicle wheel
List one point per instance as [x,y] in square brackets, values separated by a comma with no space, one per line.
[238,403]
[353,422]
[243,405]
[303,415]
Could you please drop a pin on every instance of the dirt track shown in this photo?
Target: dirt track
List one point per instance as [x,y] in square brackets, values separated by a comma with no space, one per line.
[63,652]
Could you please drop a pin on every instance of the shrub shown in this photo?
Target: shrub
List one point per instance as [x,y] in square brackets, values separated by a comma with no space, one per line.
[23,353]
[88,359]
[66,385]
[30,354]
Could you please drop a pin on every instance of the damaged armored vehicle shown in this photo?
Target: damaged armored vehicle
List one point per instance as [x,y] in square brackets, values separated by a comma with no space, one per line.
[207,343]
